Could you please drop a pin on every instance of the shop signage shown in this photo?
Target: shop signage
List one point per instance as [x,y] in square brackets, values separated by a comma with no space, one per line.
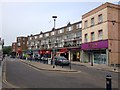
[95,45]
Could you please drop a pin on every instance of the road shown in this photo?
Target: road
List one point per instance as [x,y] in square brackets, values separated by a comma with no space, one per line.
[21,75]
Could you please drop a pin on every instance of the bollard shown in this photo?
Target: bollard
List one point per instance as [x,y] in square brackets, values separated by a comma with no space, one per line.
[108,82]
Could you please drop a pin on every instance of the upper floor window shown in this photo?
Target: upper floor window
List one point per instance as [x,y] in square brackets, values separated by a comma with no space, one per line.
[23,39]
[92,36]
[18,44]
[47,34]
[52,33]
[86,38]
[78,26]
[41,36]
[100,34]
[19,39]
[86,24]
[35,37]
[30,38]
[92,21]
[78,34]
[69,28]
[100,18]
[23,42]
[61,30]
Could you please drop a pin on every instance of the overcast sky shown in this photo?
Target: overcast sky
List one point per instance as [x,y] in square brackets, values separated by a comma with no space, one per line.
[26,18]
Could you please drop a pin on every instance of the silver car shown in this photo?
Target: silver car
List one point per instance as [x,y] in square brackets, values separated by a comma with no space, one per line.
[60,60]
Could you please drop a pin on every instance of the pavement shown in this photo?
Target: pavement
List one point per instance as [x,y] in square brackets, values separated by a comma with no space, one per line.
[1,64]
[98,66]
[47,67]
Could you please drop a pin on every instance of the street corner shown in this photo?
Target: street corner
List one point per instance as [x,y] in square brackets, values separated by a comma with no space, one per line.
[47,67]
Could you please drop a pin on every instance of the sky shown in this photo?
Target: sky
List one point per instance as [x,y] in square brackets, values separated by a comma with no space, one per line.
[26,18]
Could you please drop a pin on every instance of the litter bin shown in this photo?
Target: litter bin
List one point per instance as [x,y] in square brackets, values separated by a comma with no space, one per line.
[49,61]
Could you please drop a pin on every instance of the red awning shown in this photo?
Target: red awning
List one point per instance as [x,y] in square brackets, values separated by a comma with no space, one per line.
[44,52]
[63,50]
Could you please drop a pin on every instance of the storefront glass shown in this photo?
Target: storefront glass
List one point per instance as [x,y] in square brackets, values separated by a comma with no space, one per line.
[100,58]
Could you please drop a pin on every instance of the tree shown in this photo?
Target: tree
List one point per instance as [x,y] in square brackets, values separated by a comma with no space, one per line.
[7,50]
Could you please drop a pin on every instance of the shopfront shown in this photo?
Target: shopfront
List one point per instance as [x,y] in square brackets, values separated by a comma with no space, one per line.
[46,53]
[63,52]
[96,52]
[75,54]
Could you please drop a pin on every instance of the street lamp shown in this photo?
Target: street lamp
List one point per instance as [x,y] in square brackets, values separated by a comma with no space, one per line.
[54,17]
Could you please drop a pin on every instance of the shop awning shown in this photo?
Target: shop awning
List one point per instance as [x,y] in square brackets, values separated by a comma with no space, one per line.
[63,50]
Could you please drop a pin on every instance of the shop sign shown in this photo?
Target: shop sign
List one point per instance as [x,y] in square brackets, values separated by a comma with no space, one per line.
[95,45]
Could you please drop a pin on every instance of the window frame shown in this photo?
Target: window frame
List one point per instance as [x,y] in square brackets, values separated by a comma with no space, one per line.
[100,18]
[100,36]
[86,24]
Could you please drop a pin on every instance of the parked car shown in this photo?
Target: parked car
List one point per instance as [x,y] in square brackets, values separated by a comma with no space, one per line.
[60,60]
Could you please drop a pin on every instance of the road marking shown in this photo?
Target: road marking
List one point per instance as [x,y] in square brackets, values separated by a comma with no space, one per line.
[4,78]
[31,66]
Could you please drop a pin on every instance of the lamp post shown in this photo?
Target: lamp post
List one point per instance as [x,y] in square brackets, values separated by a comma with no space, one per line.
[54,17]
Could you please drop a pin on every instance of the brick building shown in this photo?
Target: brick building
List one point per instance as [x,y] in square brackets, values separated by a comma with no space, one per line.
[100,35]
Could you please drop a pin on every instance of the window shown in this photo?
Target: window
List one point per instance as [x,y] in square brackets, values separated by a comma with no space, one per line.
[41,36]
[52,33]
[78,26]
[19,39]
[92,21]
[78,34]
[47,34]
[100,18]
[23,42]
[100,34]
[35,37]
[86,24]
[92,36]
[30,38]
[18,44]
[86,38]
[61,30]
[23,39]
[69,28]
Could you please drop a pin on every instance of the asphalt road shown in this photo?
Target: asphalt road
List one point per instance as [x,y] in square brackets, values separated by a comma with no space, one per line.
[24,76]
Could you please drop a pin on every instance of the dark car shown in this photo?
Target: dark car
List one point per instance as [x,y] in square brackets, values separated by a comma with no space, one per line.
[60,60]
